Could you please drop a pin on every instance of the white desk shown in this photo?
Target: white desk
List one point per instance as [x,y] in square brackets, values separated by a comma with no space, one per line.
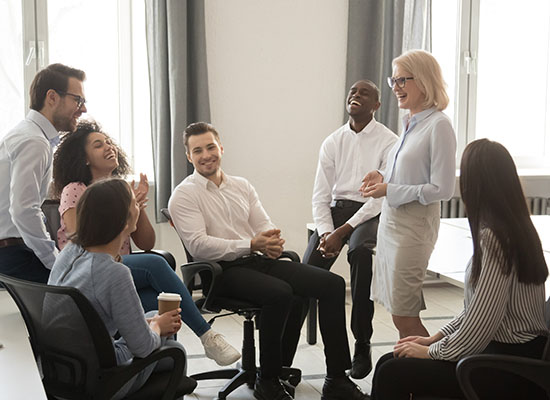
[454,248]
[19,377]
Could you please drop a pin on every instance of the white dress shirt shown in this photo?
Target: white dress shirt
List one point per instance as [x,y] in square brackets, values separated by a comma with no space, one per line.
[421,165]
[344,159]
[217,223]
[25,174]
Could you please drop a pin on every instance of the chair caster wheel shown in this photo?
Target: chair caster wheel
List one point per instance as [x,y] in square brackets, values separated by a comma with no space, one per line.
[294,381]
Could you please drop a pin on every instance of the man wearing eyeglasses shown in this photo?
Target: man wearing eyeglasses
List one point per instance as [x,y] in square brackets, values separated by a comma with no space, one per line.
[342,215]
[26,154]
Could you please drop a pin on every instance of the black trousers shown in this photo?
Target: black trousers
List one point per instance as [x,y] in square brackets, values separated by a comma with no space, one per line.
[361,243]
[397,378]
[19,261]
[281,288]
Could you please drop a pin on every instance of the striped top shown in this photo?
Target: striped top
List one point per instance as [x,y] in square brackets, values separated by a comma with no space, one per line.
[499,308]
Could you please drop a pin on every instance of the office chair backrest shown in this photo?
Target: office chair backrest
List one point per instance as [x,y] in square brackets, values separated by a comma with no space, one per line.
[67,335]
[166,213]
[50,208]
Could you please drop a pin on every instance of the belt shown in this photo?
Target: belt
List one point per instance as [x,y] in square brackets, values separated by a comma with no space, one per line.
[346,203]
[11,242]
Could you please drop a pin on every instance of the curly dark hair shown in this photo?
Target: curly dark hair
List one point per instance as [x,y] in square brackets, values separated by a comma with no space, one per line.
[69,160]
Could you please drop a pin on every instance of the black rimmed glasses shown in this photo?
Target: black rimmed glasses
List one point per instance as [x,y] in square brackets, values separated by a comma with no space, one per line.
[80,101]
[399,81]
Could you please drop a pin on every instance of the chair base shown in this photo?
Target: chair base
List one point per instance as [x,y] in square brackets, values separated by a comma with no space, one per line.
[246,372]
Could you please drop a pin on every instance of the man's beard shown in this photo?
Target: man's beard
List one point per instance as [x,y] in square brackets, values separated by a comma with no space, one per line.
[63,124]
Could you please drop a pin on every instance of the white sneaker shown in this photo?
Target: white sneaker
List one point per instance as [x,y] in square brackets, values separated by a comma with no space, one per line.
[217,349]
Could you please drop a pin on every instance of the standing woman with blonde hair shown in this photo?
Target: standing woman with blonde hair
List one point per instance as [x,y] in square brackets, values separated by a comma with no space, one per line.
[420,172]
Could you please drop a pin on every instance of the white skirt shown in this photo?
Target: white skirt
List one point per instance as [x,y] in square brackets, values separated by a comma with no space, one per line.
[406,239]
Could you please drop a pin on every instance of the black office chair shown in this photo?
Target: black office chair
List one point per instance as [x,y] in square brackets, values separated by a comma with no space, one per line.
[71,343]
[211,302]
[50,208]
[534,370]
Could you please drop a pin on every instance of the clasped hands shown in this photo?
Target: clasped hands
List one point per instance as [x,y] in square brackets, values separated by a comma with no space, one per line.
[415,346]
[331,243]
[373,186]
[269,243]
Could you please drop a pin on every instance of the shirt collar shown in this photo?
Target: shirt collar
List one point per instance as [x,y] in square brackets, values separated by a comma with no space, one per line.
[367,129]
[418,116]
[45,125]
[205,182]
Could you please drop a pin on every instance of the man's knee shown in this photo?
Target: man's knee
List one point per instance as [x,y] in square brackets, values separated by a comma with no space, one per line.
[334,285]
[282,296]
[362,253]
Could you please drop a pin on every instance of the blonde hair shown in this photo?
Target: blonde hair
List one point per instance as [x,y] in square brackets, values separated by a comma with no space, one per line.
[427,75]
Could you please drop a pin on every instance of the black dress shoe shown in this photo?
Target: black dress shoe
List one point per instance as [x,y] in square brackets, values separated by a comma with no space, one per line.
[361,364]
[270,389]
[342,388]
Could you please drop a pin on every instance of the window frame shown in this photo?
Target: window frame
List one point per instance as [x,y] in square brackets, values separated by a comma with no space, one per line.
[35,39]
[465,113]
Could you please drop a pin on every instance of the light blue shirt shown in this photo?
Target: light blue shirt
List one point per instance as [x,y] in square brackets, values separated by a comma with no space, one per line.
[421,164]
[25,174]
[109,286]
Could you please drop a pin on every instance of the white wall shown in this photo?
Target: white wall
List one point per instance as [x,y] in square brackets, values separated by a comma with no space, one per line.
[276,72]
[276,81]
[276,78]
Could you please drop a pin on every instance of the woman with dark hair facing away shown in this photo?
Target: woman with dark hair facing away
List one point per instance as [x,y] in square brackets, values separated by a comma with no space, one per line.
[504,293]
[106,214]
[420,172]
[89,155]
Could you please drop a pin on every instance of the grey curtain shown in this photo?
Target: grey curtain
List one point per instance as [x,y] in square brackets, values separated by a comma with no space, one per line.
[176,50]
[379,31]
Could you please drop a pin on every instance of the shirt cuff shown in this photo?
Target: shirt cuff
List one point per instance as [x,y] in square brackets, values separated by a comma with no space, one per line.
[242,247]
[433,350]
[324,228]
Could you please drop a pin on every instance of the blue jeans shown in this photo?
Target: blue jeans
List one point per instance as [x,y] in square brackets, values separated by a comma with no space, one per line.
[153,275]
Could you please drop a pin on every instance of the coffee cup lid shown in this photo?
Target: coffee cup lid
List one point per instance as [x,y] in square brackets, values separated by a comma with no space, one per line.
[169,297]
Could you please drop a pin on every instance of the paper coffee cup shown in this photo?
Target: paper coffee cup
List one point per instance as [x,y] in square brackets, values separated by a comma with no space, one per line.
[168,302]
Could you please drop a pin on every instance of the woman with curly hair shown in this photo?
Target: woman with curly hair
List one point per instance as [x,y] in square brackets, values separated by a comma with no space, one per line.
[89,155]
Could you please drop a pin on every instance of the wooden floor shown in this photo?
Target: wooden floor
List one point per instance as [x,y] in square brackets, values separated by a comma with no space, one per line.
[443,303]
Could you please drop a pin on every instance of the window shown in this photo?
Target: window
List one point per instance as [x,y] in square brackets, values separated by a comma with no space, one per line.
[106,39]
[500,75]
[12,103]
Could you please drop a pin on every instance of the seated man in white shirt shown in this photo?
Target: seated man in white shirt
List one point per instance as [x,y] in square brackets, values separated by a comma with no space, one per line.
[342,215]
[220,218]
[57,101]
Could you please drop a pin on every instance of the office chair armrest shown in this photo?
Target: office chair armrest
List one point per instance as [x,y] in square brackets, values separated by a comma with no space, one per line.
[118,376]
[291,255]
[210,287]
[163,253]
[534,370]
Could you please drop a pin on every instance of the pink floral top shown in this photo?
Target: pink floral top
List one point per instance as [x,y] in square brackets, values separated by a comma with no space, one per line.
[69,197]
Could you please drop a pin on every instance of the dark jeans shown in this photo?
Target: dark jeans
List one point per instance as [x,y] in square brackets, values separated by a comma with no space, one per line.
[281,289]
[397,378]
[360,243]
[19,261]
